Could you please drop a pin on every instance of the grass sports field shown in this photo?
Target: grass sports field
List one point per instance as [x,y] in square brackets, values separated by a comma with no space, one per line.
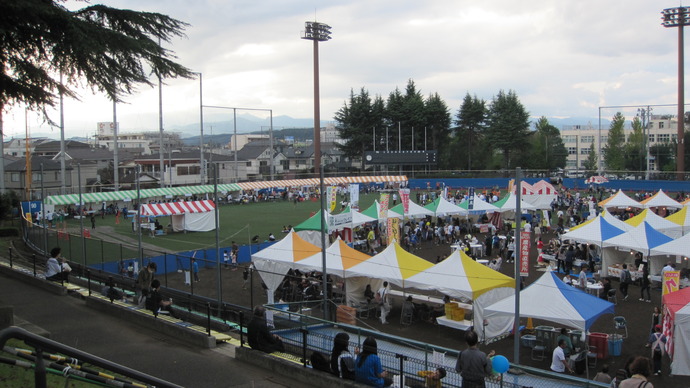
[237,223]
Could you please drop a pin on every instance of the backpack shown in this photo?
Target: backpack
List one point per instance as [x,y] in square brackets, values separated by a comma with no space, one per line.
[347,366]
[625,277]
[319,362]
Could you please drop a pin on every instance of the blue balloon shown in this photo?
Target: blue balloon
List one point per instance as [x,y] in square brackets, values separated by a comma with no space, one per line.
[500,364]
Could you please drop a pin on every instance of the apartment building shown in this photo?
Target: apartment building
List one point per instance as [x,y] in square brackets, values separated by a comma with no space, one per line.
[578,139]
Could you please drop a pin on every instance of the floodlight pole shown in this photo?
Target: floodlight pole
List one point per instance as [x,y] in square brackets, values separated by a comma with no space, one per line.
[316,32]
[679,17]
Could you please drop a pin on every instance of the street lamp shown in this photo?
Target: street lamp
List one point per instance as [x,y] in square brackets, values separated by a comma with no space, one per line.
[679,17]
[316,32]
[646,115]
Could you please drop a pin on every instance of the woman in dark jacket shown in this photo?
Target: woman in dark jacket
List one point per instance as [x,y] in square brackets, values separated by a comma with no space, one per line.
[342,362]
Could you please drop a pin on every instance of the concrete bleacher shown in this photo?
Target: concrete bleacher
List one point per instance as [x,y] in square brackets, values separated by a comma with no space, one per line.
[181,330]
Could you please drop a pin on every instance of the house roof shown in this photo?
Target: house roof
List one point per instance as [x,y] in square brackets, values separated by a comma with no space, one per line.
[36,161]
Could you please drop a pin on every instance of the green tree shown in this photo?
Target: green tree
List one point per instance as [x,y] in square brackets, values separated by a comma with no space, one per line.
[614,156]
[508,125]
[437,127]
[471,124]
[395,115]
[109,49]
[635,151]
[414,117]
[548,150]
[357,121]
[592,161]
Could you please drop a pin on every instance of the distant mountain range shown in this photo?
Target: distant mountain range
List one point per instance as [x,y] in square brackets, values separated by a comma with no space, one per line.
[220,132]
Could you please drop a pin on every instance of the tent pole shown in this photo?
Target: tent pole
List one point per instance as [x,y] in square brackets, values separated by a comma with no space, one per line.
[516,251]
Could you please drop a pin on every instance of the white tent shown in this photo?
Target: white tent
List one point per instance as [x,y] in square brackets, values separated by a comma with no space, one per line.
[543,193]
[459,276]
[644,239]
[678,246]
[194,216]
[620,200]
[550,299]
[441,207]
[413,211]
[509,203]
[661,224]
[661,199]
[478,206]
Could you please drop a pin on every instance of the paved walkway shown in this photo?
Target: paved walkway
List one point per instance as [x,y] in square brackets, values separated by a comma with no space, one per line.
[70,322]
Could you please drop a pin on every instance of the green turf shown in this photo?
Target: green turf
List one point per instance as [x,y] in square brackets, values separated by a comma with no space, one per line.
[237,223]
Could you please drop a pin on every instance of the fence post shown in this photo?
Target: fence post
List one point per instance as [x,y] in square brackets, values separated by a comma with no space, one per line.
[40,369]
[34,259]
[402,358]
[304,346]
[190,300]
[10,249]
[102,257]
[88,282]
[165,268]
[241,329]
[208,318]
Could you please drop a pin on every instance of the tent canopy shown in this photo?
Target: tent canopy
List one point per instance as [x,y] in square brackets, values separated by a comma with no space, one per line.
[339,258]
[644,238]
[460,277]
[509,203]
[393,264]
[620,200]
[175,208]
[479,206]
[678,246]
[659,223]
[413,211]
[552,300]
[681,217]
[661,199]
[442,207]
[595,232]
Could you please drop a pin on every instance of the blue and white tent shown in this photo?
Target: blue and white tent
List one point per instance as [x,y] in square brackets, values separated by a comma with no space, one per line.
[550,299]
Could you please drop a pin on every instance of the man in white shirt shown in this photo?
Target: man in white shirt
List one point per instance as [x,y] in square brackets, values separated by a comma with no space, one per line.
[558,361]
[667,267]
[382,299]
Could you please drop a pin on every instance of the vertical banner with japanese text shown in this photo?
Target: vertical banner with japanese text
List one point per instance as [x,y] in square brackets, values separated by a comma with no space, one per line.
[671,282]
[354,196]
[525,245]
[383,205]
[405,199]
[332,193]
[393,230]
[470,199]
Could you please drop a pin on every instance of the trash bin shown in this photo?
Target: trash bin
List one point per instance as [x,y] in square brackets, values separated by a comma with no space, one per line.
[600,341]
[528,340]
[615,344]
[578,362]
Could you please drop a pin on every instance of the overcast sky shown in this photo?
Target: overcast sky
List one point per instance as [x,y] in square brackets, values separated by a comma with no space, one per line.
[562,58]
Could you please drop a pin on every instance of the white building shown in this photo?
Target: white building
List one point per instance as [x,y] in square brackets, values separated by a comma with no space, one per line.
[578,139]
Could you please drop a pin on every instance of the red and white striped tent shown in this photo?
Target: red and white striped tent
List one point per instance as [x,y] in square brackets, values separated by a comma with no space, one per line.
[194,216]
[676,328]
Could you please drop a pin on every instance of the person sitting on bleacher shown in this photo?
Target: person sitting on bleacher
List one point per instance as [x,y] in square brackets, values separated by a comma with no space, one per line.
[258,335]
[56,268]
[155,301]
[110,292]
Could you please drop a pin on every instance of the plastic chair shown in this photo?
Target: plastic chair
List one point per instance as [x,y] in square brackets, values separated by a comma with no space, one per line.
[619,323]
[407,317]
[612,296]
[539,350]
[592,357]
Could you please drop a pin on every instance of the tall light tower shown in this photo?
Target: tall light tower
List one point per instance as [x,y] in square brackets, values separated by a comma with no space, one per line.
[316,32]
[679,17]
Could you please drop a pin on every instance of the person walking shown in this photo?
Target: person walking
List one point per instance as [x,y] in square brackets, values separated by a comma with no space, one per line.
[645,284]
[473,364]
[657,342]
[143,282]
[626,279]
[559,363]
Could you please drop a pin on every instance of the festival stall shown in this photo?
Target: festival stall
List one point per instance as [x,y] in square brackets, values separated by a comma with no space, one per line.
[620,200]
[460,277]
[661,224]
[676,328]
[541,195]
[661,200]
[193,216]
[550,299]
[643,239]
[479,207]
[413,211]
[681,218]
[596,231]
[274,262]
[441,207]
[341,224]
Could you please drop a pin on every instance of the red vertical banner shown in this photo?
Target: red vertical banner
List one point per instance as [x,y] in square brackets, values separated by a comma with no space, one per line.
[405,199]
[525,245]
